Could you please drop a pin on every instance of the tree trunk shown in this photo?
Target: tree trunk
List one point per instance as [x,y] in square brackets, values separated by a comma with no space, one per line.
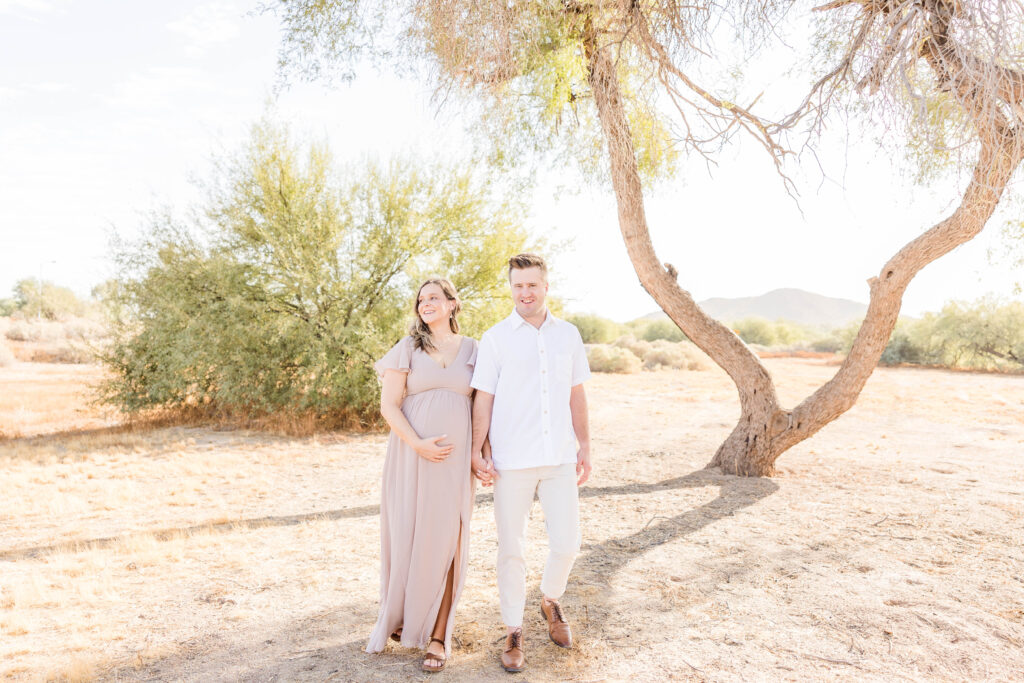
[765,430]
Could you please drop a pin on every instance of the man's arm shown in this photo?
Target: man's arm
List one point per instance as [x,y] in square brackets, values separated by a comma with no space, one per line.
[483,466]
[580,425]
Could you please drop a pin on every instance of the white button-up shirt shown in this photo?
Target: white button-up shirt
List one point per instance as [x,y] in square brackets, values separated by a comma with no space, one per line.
[530,371]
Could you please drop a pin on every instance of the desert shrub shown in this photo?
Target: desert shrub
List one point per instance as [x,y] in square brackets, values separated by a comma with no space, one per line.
[46,300]
[836,340]
[901,348]
[755,331]
[7,307]
[293,280]
[19,330]
[662,329]
[674,355]
[608,358]
[52,330]
[83,329]
[6,356]
[984,335]
[638,347]
[63,353]
[31,331]
[594,329]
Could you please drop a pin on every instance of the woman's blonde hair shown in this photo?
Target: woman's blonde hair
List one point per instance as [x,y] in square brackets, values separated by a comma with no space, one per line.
[419,331]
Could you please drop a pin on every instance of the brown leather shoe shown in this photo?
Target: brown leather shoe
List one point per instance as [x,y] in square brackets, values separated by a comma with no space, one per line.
[558,627]
[512,659]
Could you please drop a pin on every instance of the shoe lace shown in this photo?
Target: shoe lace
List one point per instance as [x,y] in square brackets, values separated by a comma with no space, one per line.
[556,609]
[515,640]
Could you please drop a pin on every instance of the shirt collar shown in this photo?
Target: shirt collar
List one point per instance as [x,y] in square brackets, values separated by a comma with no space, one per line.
[517,320]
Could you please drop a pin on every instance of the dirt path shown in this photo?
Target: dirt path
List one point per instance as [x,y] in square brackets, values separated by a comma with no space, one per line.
[888,548]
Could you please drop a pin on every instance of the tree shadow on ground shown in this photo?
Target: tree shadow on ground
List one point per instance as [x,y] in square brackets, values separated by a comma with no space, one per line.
[599,563]
[167,533]
[332,653]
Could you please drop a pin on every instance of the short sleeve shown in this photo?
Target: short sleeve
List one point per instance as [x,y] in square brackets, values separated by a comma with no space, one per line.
[487,365]
[580,366]
[471,361]
[398,358]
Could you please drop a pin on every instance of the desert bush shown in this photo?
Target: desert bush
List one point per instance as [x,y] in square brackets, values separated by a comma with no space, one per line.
[836,340]
[638,347]
[46,300]
[608,358]
[79,329]
[662,329]
[32,331]
[594,329]
[63,353]
[983,335]
[7,307]
[674,355]
[292,281]
[755,330]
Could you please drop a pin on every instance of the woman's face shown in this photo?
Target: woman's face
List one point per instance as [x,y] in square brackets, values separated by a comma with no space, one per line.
[432,304]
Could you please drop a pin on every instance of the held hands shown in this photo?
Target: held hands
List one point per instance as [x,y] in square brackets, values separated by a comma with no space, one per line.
[431,449]
[582,465]
[483,469]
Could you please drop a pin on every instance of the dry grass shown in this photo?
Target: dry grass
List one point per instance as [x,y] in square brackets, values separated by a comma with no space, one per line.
[42,398]
[888,548]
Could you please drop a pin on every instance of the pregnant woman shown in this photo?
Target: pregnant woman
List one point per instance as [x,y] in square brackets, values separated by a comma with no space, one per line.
[427,488]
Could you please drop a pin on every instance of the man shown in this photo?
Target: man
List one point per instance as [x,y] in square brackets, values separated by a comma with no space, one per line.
[529,377]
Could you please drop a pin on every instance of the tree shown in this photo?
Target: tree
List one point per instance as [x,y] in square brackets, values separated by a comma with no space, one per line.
[289,282]
[536,66]
[594,329]
[46,300]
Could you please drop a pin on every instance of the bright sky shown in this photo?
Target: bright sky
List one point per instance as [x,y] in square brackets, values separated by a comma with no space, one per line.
[107,109]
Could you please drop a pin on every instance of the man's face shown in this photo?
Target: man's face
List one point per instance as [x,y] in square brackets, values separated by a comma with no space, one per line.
[529,287]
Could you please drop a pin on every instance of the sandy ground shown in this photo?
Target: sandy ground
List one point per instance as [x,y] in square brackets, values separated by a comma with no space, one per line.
[889,547]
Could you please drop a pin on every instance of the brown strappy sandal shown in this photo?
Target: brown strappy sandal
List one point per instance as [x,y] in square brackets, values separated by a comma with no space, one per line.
[431,657]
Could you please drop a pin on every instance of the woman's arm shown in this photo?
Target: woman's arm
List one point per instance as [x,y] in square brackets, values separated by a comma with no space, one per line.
[392,392]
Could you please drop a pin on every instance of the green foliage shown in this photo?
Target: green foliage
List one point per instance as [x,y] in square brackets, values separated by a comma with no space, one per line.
[984,335]
[49,301]
[755,330]
[837,340]
[531,93]
[614,359]
[661,328]
[1013,234]
[594,329]
[281,294]
[7,307]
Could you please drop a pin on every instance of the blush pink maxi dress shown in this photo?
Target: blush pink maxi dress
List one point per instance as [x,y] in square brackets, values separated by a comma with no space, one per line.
[425,507]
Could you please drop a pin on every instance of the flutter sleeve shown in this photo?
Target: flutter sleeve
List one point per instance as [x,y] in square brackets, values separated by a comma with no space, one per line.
[471,361]
[398,358]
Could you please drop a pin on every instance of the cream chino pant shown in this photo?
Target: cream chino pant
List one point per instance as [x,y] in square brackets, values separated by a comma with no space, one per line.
[513,498]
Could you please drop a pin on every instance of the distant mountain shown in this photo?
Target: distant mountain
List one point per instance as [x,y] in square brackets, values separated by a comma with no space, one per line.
[795,305]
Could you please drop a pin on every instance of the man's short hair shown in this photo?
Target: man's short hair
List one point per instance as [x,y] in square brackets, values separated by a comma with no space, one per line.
[523,261]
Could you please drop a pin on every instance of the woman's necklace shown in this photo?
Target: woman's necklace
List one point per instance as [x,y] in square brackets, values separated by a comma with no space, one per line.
[443,346]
